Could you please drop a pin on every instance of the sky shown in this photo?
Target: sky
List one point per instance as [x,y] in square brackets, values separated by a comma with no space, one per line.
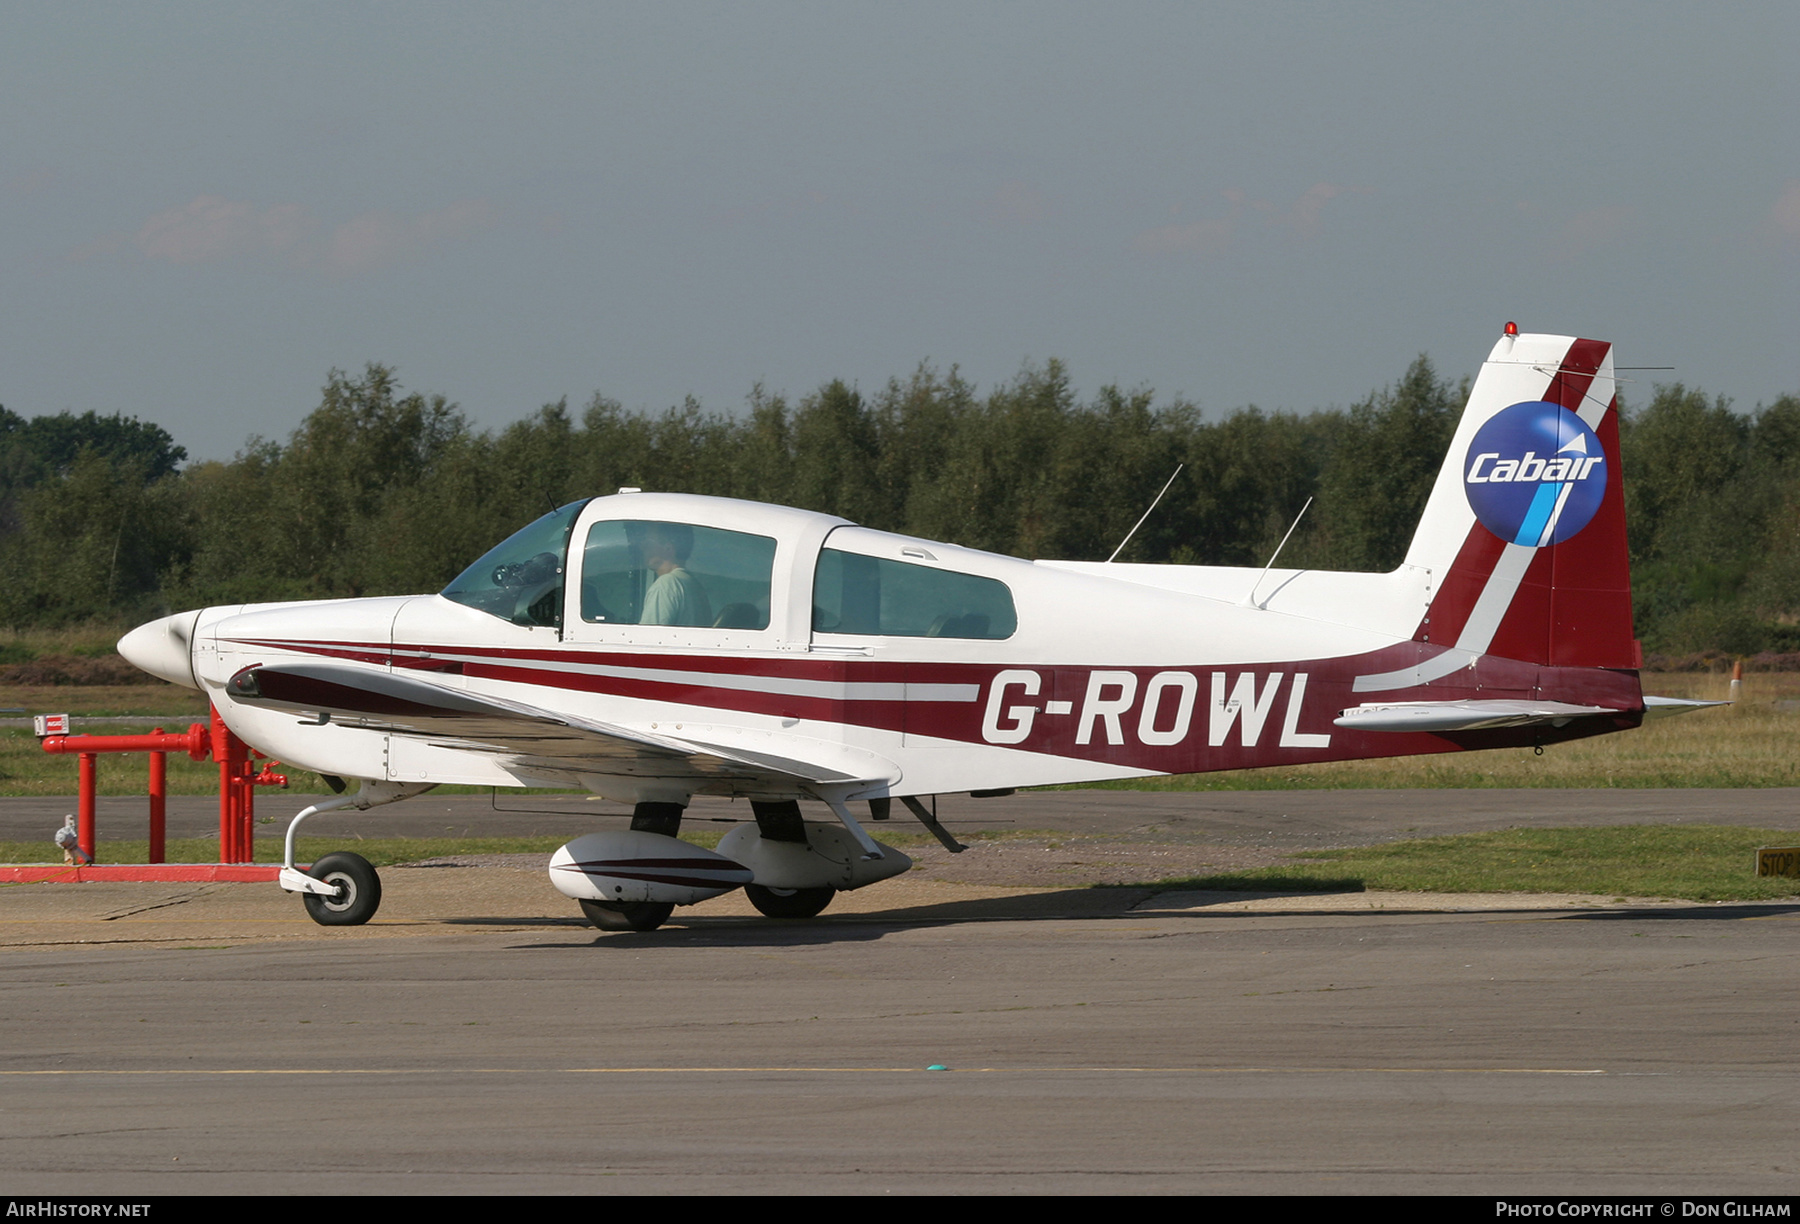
[207,207]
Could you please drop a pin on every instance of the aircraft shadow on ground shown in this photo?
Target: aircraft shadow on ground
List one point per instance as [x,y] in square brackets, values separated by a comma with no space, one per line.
[1070,905]
[1700,913]
[1061,905]
[1239,887]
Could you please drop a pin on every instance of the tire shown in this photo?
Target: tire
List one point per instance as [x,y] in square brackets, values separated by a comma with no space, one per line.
[789,902]
[628,915]
[359,890]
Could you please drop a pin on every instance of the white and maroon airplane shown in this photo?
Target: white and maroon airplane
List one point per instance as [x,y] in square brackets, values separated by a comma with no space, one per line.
[649,647]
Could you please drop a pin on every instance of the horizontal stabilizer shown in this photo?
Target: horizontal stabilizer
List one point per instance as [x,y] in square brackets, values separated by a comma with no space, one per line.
[1475,715]
[1663,707]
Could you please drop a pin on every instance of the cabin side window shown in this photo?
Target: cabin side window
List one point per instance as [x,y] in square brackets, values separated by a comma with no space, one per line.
[642,572]
[870,595]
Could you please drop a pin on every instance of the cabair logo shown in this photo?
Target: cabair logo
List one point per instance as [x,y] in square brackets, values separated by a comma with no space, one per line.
[1535,474]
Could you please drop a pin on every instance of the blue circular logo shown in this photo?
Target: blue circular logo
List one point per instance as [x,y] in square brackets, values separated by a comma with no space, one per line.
[1535,474]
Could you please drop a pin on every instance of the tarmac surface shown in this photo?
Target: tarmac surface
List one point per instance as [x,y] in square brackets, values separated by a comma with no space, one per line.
[478,1038]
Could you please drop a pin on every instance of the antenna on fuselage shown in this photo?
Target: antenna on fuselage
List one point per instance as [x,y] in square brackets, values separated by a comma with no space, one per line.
[1250,595]
[1140,522]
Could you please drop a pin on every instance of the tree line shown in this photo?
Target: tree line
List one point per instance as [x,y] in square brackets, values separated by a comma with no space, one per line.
[385,491]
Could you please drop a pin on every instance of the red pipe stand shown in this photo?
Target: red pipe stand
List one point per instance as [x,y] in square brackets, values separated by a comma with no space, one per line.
[238,781]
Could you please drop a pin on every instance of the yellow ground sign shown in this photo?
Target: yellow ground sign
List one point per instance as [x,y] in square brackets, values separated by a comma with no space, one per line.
[1778,861]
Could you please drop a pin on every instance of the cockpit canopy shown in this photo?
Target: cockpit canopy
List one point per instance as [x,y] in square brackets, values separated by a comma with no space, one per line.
[658,570]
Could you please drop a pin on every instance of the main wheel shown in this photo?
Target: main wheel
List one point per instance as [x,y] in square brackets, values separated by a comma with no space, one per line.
[789,902]
[628,915]
[358,890]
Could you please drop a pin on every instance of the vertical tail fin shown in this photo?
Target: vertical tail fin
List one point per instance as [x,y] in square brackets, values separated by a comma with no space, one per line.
[1526,523]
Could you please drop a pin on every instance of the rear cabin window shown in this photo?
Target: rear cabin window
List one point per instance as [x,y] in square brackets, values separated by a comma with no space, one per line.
[857,594]
[642,572]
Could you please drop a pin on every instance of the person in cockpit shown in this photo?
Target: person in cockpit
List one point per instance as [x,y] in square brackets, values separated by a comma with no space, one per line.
[675,596]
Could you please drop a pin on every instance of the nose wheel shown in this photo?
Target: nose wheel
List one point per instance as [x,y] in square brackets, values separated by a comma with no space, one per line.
[356,890]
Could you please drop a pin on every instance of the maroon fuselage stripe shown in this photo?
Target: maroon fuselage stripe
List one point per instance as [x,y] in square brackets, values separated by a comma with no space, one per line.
[1071,733]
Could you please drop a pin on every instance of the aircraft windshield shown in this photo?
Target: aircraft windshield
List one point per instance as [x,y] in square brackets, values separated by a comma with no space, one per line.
[521,578]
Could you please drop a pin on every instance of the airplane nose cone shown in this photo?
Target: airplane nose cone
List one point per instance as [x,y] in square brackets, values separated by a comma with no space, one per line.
[163,648]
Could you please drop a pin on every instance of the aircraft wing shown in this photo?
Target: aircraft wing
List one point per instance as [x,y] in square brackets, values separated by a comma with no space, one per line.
[528,735]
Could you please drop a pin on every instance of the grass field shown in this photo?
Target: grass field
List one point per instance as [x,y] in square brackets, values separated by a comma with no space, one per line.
[26,769]
[91,639]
